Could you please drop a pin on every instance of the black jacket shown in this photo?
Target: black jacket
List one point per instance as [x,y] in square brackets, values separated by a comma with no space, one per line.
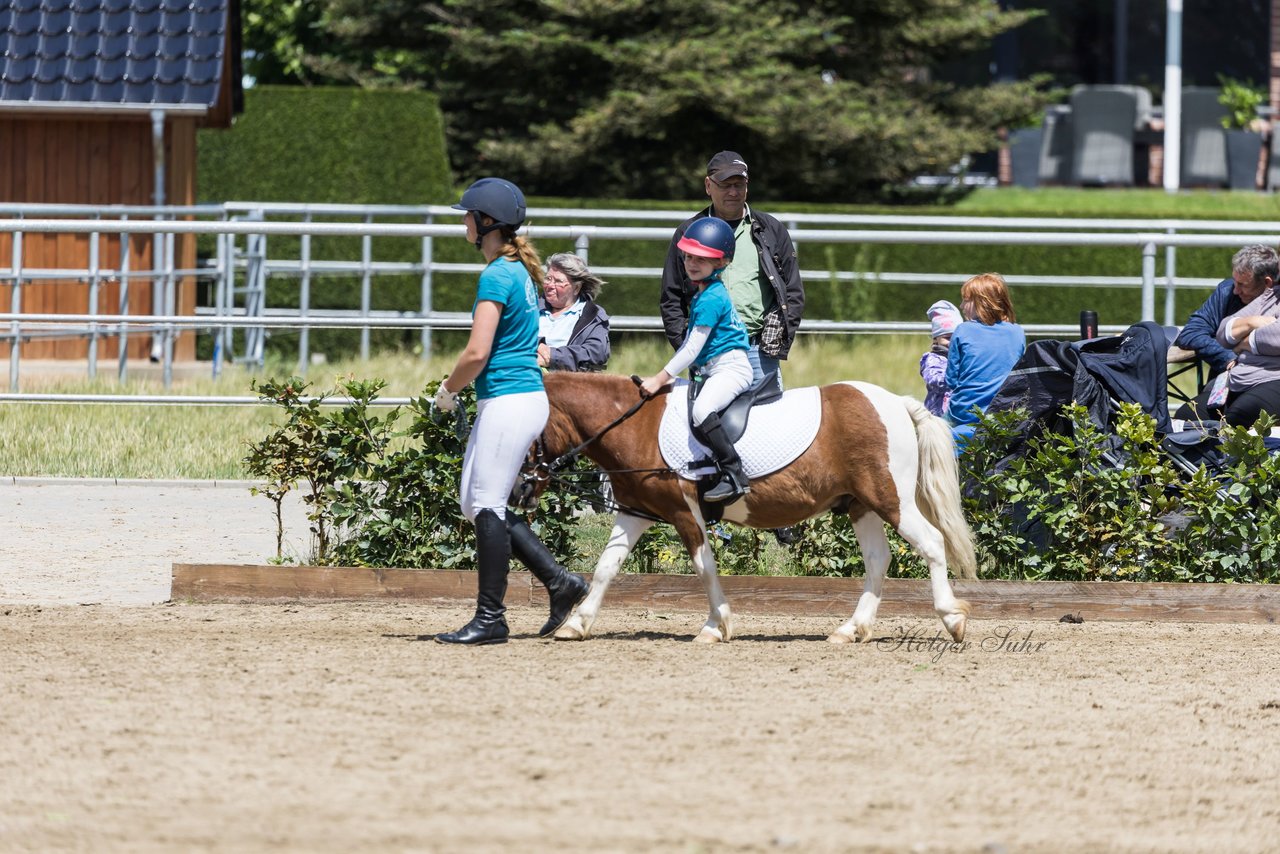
[769,236]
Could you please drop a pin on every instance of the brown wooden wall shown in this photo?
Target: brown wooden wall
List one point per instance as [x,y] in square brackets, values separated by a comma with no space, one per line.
[93,161]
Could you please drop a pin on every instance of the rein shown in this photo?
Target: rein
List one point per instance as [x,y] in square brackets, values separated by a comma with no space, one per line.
[548,472]
[568,455]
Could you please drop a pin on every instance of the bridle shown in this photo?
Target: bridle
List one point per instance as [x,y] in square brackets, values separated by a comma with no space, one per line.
[538,473]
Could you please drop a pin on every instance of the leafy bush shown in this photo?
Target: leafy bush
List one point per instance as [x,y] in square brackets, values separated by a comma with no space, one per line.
[376,495]
[1092,506]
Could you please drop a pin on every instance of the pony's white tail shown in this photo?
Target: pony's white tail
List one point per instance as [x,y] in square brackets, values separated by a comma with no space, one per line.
[938,487]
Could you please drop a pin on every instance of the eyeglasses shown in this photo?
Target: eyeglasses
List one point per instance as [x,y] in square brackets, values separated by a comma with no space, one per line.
[552,281]
[731,186]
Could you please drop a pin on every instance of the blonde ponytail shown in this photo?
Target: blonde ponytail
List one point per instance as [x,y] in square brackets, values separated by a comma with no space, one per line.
[521,249]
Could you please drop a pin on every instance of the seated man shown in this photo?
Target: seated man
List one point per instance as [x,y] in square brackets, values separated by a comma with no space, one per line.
[1253,270]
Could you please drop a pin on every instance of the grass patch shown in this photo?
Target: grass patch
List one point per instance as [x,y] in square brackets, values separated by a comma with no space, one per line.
[208,442]
[1135,203]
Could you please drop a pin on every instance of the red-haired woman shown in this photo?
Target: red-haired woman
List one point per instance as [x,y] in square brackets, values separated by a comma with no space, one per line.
[983,350]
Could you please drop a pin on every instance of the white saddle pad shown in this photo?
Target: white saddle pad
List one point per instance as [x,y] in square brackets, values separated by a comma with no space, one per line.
[777,432]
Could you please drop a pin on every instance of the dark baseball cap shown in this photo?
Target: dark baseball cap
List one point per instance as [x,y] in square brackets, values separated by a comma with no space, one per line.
[726,165]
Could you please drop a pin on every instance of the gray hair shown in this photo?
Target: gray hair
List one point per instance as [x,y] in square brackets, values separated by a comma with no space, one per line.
[1258,260]
[575,268]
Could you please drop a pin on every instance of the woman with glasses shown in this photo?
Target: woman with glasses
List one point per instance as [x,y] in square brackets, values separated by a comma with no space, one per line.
[573,328]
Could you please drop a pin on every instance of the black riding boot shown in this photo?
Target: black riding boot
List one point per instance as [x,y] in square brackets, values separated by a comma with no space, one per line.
[493,559]
[733,481]
[564,589]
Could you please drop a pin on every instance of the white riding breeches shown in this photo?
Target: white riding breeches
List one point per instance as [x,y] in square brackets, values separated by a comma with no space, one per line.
[726,377]
[504,430]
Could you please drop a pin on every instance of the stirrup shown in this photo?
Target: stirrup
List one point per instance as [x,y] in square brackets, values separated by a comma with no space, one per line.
[728,489]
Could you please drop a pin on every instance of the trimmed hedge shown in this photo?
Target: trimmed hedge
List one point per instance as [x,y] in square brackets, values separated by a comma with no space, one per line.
[355,146]
[334,145]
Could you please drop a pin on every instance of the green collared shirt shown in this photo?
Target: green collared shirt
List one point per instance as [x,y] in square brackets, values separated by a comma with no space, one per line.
[742,278]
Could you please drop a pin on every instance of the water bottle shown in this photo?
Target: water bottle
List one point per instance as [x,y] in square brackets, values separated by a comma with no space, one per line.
[1088,324]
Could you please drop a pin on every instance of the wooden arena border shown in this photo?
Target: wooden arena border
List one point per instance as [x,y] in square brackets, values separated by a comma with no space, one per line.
[1039,600]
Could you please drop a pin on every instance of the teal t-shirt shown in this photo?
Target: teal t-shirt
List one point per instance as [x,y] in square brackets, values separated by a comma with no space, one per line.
[513,362]
[712,307]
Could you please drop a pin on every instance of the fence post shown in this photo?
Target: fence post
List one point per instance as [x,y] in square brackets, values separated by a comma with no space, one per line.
[15,306]
[1170,271]
[1148,281]
[366,287]
[304,305]
[170,307]
[428,249]
[122,369]
[582,247]
[220,290]
[95,282]
[255,291]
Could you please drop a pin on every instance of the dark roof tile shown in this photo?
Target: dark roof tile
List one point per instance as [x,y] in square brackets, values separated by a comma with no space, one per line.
[81,70]
[55,21]
[143,44]
[20,69]
[112,47]
[25,23]
[108,91]
[113,51]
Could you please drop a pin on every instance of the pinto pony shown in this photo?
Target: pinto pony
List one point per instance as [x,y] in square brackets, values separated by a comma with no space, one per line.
[878,457]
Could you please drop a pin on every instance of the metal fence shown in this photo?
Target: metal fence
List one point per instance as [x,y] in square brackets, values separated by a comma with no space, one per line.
[239,271]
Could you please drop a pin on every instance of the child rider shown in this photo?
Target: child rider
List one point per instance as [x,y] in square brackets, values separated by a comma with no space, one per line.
[716,345]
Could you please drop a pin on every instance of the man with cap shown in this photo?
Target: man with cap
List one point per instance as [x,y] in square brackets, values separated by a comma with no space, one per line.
[763,280]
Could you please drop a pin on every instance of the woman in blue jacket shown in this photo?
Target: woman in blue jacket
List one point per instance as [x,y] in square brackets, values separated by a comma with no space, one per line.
[501,356]
[983,350]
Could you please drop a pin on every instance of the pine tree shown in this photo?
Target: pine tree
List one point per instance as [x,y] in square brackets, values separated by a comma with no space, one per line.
[627,98]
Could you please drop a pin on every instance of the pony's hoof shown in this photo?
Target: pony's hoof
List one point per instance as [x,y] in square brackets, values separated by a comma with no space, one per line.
[708,635]
[955,624]
[839,637]
[571,630]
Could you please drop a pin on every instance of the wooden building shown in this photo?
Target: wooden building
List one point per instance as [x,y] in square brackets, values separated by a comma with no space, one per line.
[97,98]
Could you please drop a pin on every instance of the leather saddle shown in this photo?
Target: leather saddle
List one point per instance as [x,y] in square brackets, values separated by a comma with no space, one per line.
[733,418]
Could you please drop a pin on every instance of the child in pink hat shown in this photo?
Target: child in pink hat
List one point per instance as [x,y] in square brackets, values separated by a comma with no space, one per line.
[944,318]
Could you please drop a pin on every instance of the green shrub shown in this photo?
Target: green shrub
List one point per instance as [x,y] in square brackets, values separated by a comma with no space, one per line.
[1242,101]
[375,495]
[1086,506]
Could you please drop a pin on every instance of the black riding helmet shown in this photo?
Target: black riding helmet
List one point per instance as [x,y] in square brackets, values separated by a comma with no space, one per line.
[496,198]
